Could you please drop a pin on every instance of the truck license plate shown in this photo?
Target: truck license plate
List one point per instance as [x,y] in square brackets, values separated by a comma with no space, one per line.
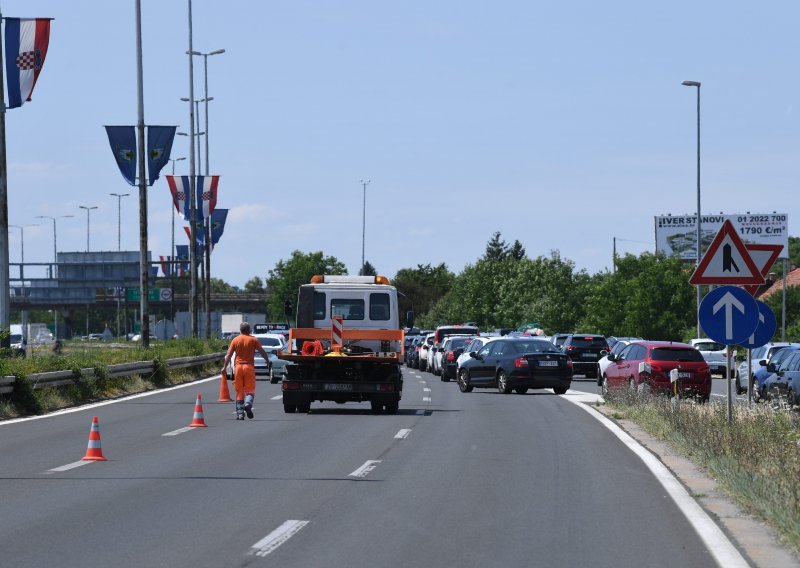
[338,387]
[548,363]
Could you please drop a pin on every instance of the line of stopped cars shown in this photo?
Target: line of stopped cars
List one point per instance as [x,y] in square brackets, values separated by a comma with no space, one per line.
[519,361]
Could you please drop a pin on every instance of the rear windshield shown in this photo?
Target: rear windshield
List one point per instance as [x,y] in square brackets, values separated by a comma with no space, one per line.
[589,342]
[16,338]
[349,309]
[534,346]
[269,341]
[676,354]
[709,346]
[458,343]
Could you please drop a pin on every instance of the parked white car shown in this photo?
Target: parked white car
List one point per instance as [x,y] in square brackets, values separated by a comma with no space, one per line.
[714,354]
[603,363]
[424,349]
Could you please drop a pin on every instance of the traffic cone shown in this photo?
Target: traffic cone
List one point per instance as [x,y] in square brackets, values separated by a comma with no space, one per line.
[197,419]
[224,393]
[94,451]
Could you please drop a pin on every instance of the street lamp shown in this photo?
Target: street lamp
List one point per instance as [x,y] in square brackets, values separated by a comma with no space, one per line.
[88,210]
[206,98]
[364,183]
[55,263]
[22,248]
[699,234]
[119,197]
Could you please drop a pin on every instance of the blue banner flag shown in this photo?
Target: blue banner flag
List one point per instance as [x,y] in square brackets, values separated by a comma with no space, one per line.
[123,145]
[182,252]
[159,147]
[218,218]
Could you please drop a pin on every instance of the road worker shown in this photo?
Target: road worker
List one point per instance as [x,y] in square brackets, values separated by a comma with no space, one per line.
[244,378]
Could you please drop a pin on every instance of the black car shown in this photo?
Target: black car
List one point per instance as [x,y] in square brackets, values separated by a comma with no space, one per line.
[585,350]
[451,349]
[517,363]
[408,347]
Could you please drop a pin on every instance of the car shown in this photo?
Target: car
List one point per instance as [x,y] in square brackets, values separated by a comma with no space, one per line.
[585,350]
[715,355]
[452,348]
[17,345]
[778,386]
[792,376]
[646,365]
[759,357]
[604,362]
[474,345]
[518,364]
[412,354]
[761,381]
[423,351]
[272,343]
[444,330]
[558,339]
[612,340]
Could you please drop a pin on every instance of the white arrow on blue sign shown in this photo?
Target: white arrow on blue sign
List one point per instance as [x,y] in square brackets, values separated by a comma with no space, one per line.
[728,315]
[765,329]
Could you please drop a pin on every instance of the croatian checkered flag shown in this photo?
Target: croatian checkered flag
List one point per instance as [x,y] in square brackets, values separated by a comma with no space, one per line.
[179,188]
[26,48]
[206,196]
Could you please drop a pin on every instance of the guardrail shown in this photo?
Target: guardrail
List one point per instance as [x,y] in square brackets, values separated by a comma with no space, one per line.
[62,378]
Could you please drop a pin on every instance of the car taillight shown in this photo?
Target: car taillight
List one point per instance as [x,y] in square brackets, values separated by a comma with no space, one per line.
[570,347]
[569,363]
[417,348]
[450,356]
[520,362]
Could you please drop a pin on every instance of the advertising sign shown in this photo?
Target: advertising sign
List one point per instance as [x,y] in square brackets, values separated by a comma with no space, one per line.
[677,234]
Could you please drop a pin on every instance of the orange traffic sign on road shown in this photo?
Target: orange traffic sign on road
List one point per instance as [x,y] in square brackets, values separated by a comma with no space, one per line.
[727,261]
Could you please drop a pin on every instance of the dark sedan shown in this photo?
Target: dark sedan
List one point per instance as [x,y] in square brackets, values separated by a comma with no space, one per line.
[517,364]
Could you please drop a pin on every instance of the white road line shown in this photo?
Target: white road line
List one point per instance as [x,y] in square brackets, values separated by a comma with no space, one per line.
[723,551]
[426,390]
[402,434]
[178,431]
[277,537]
[420,412]
[280,396]
[426,399]
[69,466]
[422,382]
[365,469]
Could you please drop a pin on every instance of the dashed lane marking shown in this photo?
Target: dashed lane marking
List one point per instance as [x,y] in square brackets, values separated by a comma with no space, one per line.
[426,399]
[365,469]
[426,390]
[280,396]
[69,466]
[403,434]
[277,537]
[178,431]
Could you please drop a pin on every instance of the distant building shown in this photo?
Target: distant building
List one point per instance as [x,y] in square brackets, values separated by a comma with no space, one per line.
[774,284]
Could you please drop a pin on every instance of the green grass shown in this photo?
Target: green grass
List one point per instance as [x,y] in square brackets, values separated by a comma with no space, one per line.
[755,458]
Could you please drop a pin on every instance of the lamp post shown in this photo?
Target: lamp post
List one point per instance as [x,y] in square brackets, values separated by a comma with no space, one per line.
[192,188]
[699,232]
[364,183]
[55,263]
[88,210]
[207,223]
[119,197]
[22,249]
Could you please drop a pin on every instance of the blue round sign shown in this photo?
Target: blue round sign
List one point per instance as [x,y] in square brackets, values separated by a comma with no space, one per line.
[765,329]
[728,315]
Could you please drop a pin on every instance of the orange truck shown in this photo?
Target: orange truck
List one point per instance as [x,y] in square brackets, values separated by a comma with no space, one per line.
[347,345]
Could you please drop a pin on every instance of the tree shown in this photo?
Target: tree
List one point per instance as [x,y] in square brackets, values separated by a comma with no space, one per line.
[517,251]
[219,286]
[283,281]
[422,286]
[255,286]
[496,248]
[367,270]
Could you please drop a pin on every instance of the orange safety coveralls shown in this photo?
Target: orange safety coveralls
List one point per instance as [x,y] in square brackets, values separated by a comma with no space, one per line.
[244,377]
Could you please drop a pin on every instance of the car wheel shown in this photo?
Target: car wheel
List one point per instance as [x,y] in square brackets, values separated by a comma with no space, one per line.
[445,376]
[289,408]
[560,390]
[463,381]
[599,377]
[272,378]
[520,390]
[755,395]
[502,383]
[738,385]
[604,386]
[422,365]
[392,407]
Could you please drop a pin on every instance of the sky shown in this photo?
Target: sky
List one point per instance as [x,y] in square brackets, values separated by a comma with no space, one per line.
[563,125]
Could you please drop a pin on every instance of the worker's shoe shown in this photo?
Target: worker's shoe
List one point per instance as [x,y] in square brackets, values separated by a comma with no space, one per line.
[248,405]
[249,410]
[239,410]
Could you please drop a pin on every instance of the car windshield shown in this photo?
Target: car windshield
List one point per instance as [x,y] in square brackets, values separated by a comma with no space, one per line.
[534,346]
[269,341]
[676,354]
[589,342]
[709,346]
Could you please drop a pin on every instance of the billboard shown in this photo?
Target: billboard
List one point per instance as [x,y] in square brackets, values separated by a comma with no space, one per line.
[677,235]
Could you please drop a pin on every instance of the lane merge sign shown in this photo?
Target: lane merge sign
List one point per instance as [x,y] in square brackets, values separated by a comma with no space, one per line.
[729,315]
[727,261]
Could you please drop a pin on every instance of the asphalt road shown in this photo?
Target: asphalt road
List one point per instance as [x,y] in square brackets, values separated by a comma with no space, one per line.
[478,479]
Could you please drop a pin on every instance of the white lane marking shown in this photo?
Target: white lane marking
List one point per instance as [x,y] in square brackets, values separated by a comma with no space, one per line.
[178,431]
[277,537]
[426,399]
[69,466]
[420,412]
[712,536]
[422,382]
[107,402]
[402,434]
[280,396]
[426,390]
[365,469]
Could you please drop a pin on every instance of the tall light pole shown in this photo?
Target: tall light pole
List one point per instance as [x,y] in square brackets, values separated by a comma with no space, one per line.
[88,210]
[173,254]
[364,183]
[22,249]
[207,223]
[699,223]
[119,197]
[192,188]
[55,264]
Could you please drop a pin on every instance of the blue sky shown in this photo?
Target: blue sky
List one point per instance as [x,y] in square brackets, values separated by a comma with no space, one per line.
[561,124]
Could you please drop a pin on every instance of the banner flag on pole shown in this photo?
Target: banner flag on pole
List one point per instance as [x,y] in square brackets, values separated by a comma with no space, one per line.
[199,238]
[218,218]
[206,192]
[123,145]
[179,188]
[26,48]
[159,147]
[182,252]
[166,266]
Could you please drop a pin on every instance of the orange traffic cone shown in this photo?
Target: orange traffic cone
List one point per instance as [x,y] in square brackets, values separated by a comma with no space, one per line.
[197,419]
[94,451]
[224,393]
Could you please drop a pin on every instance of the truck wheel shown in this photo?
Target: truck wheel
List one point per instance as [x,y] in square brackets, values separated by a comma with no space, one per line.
[375,407]
[392,407]
[304,408]
[560,390]
[289,408]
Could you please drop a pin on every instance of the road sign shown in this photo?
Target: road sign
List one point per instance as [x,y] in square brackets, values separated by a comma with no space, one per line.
[729,315]
[765,329]
[764,256]
[727,261]
[153,294]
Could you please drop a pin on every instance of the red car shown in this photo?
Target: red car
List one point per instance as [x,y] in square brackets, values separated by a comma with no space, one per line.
[647,364]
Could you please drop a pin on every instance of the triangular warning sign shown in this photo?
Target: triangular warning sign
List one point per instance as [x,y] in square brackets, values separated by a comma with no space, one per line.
[764,256]
[727,261]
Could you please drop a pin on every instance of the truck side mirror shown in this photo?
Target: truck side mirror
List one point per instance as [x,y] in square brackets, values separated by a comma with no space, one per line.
[410,319]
